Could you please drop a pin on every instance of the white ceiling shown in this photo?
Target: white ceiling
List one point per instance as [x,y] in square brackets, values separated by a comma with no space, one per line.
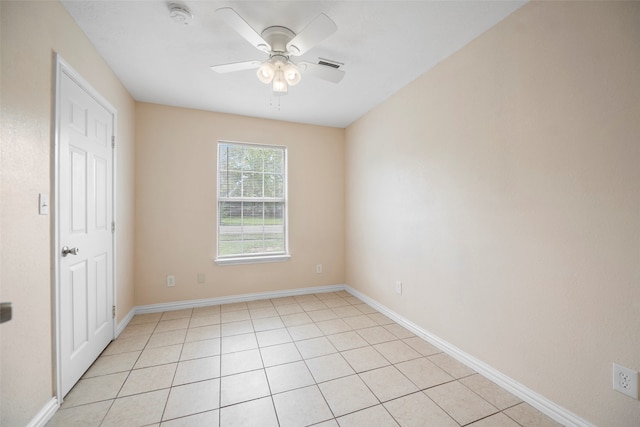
[383,45]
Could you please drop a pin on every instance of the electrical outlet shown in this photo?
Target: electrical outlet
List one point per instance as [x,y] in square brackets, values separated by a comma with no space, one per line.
[318,268]
[625,381]
[171,280]
[202,278]
[399,287]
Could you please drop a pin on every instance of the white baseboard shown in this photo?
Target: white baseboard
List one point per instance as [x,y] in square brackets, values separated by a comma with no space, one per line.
[124,322]
[544,405]
[179,305]
[46,413]
[170,306]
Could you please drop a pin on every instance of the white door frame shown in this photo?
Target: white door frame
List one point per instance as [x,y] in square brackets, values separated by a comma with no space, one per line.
[61,67]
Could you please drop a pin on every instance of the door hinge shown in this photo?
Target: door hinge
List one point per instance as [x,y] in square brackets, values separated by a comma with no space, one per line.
[113,312]
[113,226]
[113,141]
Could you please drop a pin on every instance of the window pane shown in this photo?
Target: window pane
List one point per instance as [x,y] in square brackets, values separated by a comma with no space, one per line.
[223,157]
[274,161]
[230,158]
[252,215]
[272,185]
[253,159]
[252,184]
[230,184]
[279,186]
[273,214]
[230,213]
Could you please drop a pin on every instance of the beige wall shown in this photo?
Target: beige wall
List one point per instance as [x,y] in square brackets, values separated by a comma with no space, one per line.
[503,189]
[31,32]
[176,205]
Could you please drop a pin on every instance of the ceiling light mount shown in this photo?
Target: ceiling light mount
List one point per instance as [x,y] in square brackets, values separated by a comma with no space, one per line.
[180,14]
[278,37]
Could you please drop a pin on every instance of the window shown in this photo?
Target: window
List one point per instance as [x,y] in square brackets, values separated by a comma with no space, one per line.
[252,209]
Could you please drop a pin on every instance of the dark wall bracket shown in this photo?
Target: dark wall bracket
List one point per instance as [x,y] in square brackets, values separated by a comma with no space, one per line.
[5,312]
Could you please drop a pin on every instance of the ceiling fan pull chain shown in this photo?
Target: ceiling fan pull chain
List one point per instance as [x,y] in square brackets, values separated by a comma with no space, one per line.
[273,104]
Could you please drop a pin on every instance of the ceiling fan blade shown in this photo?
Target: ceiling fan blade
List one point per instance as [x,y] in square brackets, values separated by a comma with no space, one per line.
[323,72]
[236,66]
[241,26]
[317,30]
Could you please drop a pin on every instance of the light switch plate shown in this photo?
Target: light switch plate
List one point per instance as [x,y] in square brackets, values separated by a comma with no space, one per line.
[43,204]
[399,287]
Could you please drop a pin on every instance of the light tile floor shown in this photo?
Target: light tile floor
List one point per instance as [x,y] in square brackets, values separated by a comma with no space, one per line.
[323,359]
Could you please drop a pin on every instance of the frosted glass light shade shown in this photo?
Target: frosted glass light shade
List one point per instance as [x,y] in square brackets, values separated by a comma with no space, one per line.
[291,74]
[280,86]
[266,72]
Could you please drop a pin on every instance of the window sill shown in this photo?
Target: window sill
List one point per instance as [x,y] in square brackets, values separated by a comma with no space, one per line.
[252,260]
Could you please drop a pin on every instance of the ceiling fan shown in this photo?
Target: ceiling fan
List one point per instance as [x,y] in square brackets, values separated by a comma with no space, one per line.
[281,44]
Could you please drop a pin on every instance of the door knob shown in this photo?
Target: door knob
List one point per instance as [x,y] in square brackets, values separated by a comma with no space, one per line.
[73,251]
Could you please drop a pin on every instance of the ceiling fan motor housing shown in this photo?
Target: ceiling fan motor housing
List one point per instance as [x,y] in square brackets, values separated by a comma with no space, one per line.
[278,37]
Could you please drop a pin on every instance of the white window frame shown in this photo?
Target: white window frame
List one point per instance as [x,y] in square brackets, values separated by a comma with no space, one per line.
[258,257]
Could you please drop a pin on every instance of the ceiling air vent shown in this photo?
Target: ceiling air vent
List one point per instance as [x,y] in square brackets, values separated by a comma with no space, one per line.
[329,63]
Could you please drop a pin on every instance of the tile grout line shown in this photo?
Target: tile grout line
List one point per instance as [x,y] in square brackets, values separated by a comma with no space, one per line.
[264,368]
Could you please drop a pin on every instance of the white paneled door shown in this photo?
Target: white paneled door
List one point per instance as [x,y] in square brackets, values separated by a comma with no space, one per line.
[85,235]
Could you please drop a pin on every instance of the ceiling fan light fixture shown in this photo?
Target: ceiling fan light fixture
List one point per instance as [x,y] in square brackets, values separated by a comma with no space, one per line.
[280,73]
[266,72]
